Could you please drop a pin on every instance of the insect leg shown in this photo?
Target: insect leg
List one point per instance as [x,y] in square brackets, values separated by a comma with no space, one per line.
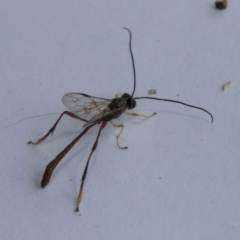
[103,124]
[53,164]
[119,126]
[70,114]
[140,115]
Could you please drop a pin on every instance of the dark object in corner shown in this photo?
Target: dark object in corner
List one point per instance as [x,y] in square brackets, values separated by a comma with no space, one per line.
[221,5]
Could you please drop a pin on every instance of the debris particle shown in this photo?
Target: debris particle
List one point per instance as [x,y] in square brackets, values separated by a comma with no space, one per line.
[221,5]
[227,85]
[152,91]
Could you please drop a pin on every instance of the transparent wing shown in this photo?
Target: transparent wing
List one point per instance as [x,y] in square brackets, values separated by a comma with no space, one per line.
[106,112]
[85,106]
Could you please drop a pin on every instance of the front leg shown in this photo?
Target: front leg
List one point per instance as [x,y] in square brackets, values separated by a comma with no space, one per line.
[140,115]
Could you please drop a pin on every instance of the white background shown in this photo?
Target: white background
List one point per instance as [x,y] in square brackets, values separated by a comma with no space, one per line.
[180,177]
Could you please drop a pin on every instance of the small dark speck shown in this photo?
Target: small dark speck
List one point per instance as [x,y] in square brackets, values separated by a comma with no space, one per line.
[159,178]
[221,5]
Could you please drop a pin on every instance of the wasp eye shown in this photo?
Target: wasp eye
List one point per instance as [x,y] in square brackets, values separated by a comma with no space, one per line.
[131,103]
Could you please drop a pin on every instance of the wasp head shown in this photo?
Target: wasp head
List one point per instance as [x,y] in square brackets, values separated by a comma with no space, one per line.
[131,103]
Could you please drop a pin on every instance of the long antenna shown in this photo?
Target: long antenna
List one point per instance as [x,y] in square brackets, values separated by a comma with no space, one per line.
[174,101]
[133,65]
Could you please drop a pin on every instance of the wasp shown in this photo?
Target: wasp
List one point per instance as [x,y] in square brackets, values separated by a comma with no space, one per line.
[97,111]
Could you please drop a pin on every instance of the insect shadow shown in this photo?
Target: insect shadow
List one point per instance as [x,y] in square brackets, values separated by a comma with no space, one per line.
[93,111]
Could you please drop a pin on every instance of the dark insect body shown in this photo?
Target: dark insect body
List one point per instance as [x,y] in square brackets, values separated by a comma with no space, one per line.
[120,104]
[93,111]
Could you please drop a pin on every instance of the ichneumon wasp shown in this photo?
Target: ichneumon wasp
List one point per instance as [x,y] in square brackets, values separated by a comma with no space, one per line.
[93,111]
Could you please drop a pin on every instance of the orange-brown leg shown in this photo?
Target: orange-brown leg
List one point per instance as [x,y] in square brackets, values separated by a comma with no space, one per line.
[70,114]
[53,164]
[79,199]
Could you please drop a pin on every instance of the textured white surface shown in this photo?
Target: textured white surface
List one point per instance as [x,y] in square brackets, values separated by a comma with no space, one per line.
[180,177]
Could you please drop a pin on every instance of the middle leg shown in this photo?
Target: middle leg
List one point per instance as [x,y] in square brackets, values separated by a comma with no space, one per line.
[118,126]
